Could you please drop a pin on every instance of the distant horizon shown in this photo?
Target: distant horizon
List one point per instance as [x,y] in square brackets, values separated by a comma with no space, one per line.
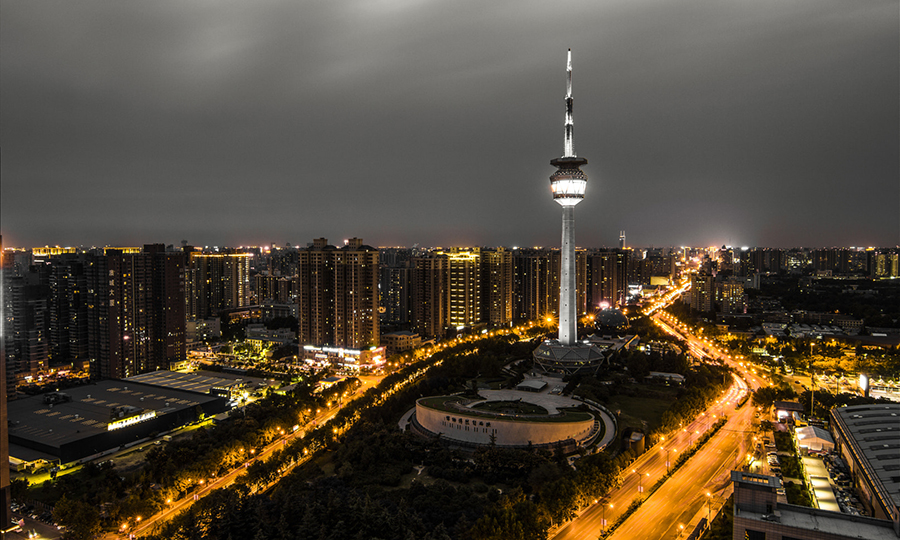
[7,246]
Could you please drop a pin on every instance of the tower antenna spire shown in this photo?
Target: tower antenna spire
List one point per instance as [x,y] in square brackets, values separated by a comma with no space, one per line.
[569,147]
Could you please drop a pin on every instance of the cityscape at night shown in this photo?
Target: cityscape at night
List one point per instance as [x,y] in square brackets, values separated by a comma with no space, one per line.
[290,270]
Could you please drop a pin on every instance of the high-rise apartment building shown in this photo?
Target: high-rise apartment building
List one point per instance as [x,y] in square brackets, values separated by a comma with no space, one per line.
[394,291]
[463,287]
[26,324]
[272,288]
[731,296]
[337,294]
[608,271]
[429,295]
[216,282]
[883,263]
[68,326]
[536,274]
[136,311]
[835,260]
[5,499]
[497,286]
[703,292]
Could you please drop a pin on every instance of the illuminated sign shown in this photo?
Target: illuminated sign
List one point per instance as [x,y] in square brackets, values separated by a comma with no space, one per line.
[125,422]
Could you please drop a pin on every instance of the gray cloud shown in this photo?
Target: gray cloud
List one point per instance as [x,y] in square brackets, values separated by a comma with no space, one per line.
[754,123]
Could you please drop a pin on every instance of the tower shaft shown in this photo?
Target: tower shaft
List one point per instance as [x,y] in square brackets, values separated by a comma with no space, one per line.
[567,315]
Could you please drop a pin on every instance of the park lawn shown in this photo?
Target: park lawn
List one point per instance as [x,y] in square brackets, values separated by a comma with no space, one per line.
[635,409]
[505,406]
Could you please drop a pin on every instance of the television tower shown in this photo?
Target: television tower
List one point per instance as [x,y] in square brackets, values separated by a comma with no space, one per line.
[567,185]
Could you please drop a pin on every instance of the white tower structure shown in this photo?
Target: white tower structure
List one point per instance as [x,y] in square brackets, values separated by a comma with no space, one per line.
[567,185]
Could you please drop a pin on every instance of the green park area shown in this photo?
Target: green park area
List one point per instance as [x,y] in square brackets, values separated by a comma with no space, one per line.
[510,407]
[642,411]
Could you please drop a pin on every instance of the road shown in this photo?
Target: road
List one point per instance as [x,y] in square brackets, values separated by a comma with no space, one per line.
[146,526]
[683,496]
[648,468]
[680,500]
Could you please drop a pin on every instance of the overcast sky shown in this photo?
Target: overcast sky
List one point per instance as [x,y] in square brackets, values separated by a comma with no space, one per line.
[751,122]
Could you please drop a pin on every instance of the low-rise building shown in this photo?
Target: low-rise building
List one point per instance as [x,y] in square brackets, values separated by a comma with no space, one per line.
[349,359]
[759,516]
[401,341]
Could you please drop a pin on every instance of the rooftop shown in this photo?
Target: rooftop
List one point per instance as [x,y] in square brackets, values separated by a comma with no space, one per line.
[836,523]
[90,409]
[874,433]
[200,381]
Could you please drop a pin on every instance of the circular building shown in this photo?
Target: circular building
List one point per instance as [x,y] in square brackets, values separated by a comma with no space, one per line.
[554,357]
[507,418]
[611,322]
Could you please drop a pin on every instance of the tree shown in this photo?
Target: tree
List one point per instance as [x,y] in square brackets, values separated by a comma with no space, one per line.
[18,488]
[82,520]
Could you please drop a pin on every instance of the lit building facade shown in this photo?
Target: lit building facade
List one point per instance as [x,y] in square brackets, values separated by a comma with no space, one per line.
[497,286]
[464,287]
[703,292]
[731,297]
[536,274]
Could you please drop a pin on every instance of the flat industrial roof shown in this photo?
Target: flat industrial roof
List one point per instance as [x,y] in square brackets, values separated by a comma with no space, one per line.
[200,381]
[90,409]
[874,430]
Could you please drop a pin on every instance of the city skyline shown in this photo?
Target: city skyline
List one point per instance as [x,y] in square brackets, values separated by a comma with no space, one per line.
[410,123]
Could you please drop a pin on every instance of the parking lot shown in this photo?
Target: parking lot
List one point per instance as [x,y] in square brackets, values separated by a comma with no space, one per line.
[36,523]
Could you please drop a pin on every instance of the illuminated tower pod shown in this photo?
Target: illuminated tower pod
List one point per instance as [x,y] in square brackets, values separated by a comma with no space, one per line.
[567,185]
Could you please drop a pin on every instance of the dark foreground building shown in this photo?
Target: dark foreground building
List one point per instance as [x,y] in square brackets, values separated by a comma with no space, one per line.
[759,516]
[88,420]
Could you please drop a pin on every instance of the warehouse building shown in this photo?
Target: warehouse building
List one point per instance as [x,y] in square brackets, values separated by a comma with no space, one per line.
[92,419]
[868,438]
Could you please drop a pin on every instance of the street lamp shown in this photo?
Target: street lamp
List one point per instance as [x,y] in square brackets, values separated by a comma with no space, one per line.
[603,522]
[640,479]
[708,508]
